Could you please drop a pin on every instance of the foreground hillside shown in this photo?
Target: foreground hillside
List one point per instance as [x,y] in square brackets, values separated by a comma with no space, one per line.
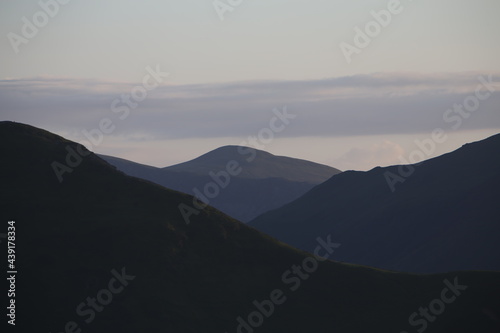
[105,252]
[443,216]
[260,181]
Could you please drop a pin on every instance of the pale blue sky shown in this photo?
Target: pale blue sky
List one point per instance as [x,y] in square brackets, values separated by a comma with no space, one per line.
[267,54]
[260,39]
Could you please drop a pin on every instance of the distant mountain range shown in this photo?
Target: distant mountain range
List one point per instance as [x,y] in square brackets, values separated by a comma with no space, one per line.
[261,181]
[105,252]
[444,216]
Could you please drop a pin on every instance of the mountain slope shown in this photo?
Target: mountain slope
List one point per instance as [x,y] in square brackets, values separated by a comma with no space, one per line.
[263,181]
[443,217]
[73,238]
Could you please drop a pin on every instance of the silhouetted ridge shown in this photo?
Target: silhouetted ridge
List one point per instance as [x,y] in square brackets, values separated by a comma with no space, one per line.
[446,202]
[74,237]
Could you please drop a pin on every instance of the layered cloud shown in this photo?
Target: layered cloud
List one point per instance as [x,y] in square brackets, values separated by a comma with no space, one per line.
[345,106]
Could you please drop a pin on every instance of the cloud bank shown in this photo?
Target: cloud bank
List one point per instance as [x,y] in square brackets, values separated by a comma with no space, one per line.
[345,106]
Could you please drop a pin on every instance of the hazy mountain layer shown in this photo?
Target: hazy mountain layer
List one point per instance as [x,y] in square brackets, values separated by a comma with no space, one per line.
[443,215]
[240,181]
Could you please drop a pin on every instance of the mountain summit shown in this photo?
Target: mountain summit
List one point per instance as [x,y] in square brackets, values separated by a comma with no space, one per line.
[258,164]
[263,181]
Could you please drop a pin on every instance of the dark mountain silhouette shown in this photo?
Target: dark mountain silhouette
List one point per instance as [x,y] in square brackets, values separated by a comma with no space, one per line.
[118,245]
[257,164]
[262,181]
[445,216]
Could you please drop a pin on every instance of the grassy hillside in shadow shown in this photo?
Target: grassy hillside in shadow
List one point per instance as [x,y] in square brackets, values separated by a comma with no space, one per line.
[188,278]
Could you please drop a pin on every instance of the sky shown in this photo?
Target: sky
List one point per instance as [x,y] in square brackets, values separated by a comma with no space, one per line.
[365,83]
